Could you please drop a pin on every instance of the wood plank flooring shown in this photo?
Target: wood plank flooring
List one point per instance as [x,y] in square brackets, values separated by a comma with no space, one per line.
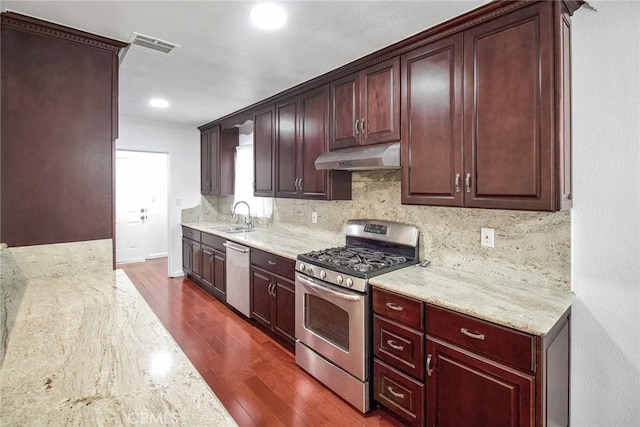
[254,377]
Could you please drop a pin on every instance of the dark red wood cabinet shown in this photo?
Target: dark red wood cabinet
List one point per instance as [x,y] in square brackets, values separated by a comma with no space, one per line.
[365,106]
[484,114]
[302,134]
[217,167]
[204,261]
[264,152]
[273,296]
[59,125]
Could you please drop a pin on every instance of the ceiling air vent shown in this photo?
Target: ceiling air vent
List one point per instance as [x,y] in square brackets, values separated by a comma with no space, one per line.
[151,44]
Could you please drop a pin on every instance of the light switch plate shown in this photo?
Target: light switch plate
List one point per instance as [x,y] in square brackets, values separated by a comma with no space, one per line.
[487,237]
[314,217]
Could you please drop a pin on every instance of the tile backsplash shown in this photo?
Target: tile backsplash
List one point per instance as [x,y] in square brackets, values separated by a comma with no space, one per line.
[534,247]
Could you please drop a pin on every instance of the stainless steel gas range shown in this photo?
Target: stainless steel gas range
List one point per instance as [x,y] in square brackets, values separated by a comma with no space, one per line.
[333,303]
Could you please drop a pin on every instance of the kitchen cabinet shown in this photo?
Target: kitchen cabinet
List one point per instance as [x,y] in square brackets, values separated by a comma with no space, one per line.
[273,296]
[398,349]
[301,136]
[203,261]
[365,106]
[485,114]
[479,373]
[217,149]
[263,152]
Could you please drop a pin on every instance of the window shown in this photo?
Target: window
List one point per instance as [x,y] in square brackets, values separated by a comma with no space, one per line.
[261,207]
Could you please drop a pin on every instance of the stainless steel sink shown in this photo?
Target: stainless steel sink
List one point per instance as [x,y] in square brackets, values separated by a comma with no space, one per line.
[232,229]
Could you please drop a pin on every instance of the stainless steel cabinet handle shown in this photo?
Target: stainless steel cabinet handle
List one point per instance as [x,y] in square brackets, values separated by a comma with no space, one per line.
[356,127]
[362,130]
[271,262]
[271,289]
[395,346]
[395,393]
[394,307]
[300,184]
[457,183]
[467,182]
[466,332]
[429,370]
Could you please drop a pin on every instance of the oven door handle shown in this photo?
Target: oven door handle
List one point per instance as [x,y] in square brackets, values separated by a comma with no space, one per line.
[310,284]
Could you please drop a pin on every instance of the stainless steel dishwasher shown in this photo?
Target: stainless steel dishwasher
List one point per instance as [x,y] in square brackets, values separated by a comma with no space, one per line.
[238,277]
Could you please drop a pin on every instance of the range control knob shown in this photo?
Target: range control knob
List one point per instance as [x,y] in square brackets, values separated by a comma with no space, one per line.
[349,282]
[339,279]
[322,274]
[302,267]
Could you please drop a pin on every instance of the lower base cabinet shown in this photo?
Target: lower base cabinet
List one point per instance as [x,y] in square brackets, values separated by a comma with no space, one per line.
[476,373]
[204,261]
[273,296]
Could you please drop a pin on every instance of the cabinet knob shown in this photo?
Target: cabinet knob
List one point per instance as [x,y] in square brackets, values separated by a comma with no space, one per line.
[457,183]
[429,370]
[467,182]
[356,127]
[362,130]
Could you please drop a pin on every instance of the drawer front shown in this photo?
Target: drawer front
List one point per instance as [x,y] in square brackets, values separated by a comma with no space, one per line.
[191,233]
[402,395]
[509,346]
[273,263]
[396,307]
[215,242]
[399,346]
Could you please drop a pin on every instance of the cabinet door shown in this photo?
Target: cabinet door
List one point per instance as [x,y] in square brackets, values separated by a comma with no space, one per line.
[508,111]
[286,150]
[263,148]
[260,297]
[284,310]
[466,390]
[196,259]
[219,275]
[345,110]
[207,268]
[432,124]
[187,255]
[313,141]
[380,103]
[205,163]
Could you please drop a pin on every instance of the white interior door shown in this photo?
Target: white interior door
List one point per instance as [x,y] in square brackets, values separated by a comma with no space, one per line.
[131,209]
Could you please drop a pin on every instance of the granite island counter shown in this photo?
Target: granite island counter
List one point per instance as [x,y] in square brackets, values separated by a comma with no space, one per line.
[84,348]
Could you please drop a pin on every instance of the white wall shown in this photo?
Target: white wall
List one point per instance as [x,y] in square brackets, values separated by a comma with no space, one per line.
[605,350]
[183,145]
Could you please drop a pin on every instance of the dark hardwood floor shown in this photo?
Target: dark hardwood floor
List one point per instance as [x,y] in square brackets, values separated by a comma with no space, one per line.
[254,377]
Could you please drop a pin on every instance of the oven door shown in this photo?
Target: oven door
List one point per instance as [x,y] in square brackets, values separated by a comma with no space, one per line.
[332,322]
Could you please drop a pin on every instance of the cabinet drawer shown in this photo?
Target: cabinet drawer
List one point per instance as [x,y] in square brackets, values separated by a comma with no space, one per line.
[509,346]
[402,395]
[396,307]
[215,242]
[399,346]
[191,233]
[273,263]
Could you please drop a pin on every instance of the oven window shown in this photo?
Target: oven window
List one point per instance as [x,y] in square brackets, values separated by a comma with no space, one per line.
[327,320]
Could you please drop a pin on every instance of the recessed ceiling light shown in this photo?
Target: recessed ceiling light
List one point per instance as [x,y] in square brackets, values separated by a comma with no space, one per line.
[268,16]
[159,103]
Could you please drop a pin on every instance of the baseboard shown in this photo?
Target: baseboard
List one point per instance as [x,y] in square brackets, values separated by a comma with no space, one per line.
[158,255]
[178,273]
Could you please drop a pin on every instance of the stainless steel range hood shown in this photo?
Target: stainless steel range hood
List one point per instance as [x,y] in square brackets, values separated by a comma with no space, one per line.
[361,158]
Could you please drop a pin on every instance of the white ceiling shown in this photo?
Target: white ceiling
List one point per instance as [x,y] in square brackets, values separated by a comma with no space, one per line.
[224,64]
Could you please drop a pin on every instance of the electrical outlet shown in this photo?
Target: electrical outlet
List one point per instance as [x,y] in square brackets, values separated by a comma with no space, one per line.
[314,217]
[487,237]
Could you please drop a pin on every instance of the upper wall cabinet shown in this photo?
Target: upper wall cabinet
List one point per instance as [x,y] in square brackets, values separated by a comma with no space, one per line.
[365,107]
[302,128]
[507,144]
[263,152]
[217,160]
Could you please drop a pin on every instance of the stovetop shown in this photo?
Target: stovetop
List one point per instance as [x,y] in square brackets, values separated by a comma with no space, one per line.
[357,261]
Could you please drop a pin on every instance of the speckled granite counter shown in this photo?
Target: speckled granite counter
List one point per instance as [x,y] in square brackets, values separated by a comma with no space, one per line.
[515,304]
[287,244]
[86,349]
[519,305]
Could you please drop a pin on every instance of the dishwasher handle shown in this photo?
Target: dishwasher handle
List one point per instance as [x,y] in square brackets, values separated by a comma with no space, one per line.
[240,249]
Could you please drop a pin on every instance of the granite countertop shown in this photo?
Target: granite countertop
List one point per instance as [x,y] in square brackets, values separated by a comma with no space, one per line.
[527,307]
[88,350]
[287,244]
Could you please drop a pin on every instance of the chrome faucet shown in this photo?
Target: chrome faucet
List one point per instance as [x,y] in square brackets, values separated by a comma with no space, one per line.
[248,219]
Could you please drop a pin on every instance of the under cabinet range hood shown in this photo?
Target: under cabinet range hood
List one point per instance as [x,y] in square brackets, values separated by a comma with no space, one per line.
[361,158]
